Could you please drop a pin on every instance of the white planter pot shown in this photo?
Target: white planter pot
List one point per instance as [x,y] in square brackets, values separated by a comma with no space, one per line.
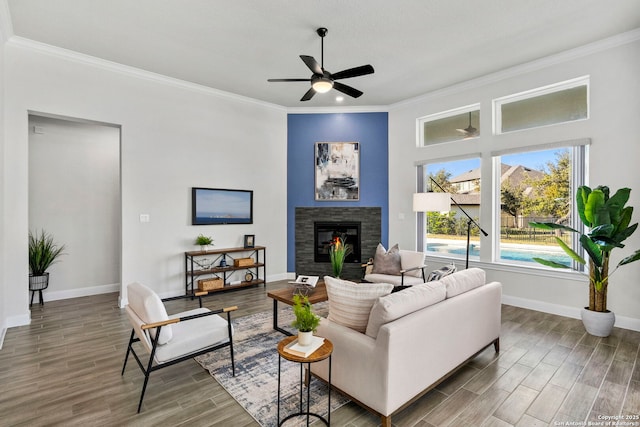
[305,338]
[599,324]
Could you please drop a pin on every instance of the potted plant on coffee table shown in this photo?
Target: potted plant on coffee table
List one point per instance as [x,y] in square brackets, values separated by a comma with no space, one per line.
[607,220]
[338,251]
[306,321]
[43,251]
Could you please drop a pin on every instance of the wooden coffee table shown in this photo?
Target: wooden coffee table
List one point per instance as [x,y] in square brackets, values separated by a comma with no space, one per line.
[285,295]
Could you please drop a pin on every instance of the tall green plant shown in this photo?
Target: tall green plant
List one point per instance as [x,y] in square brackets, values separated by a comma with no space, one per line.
[338,251]
[607,219]
[306,320]
[43,252]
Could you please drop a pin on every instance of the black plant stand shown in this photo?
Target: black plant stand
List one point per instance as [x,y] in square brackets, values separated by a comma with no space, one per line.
[38,283]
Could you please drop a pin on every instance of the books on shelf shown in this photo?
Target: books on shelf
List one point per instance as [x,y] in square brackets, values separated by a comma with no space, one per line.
[306,280]
[304,350]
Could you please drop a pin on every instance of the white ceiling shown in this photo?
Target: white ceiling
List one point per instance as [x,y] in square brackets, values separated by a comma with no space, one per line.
[415,46]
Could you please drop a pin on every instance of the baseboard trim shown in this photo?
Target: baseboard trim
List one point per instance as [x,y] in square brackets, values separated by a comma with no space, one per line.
[21,320]
[3,332]
[76,293]
[623,322]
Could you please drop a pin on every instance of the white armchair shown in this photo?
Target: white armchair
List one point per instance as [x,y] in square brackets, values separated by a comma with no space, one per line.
[401,267]
[175,338]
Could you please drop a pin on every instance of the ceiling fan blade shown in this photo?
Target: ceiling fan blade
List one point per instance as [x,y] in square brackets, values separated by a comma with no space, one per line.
[347,90]
[312,64]
[307,96]
[353,72]
[289,80]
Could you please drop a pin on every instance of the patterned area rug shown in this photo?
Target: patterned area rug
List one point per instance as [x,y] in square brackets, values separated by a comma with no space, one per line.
[255,385]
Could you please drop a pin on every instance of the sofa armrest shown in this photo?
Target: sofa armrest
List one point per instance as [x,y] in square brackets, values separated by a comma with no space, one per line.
[359,365]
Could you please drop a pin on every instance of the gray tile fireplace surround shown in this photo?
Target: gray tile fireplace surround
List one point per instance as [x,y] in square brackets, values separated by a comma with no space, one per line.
[370,235]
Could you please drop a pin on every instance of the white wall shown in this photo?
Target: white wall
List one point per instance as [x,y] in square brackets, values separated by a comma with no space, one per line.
[614,160]
[174,136]
[74,194]
[3,298]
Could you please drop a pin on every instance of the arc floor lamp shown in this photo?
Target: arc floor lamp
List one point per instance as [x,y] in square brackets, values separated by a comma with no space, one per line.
[441,202]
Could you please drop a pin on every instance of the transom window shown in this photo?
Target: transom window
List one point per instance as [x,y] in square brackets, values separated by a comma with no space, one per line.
[454,125]
[558,103]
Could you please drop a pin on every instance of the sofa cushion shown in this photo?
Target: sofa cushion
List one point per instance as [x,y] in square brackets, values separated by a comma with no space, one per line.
[350,303]
[387,262]
[412,259]
[150,309]
[463,281]
[394,306]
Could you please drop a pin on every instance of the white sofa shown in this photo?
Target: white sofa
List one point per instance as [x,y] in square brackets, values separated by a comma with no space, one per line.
[414,339]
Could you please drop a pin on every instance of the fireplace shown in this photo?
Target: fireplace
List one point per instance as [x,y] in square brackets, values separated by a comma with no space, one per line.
[325,232]
[370,221]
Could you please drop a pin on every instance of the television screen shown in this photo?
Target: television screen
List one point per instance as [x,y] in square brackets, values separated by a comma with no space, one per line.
[221,206]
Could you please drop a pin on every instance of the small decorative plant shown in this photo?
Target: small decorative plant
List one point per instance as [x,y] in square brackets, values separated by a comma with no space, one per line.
[203,241]
[607,219]
[306,320]
[338,251]
[43,251]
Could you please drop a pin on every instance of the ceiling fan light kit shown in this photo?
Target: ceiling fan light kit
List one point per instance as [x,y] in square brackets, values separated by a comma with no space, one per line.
[321,84]
[322,81]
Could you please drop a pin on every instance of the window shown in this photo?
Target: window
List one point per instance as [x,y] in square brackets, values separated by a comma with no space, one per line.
[445,233]
[538,186]
[559,103]
[454,125]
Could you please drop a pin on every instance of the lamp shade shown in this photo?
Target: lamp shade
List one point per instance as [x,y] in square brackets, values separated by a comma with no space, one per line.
[431,202]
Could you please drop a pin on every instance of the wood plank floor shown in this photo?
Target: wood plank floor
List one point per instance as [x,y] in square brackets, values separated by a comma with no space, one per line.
[64,369]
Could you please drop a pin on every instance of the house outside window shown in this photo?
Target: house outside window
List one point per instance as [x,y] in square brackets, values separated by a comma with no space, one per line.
[445,233]
[538,186]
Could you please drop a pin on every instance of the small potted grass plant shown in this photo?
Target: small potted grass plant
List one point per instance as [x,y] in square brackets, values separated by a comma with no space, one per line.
[338,251]
[43,251]
[306,321]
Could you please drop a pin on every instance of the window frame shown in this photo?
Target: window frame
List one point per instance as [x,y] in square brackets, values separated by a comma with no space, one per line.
[420,122]
[533,93]
[579,154]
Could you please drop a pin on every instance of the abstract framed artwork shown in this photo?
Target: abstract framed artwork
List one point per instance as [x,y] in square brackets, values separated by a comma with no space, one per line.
[337,171]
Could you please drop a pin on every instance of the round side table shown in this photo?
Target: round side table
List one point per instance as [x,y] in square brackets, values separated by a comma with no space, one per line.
[322,353]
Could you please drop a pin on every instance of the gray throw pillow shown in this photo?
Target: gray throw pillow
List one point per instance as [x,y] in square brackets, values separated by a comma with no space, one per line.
[387,262]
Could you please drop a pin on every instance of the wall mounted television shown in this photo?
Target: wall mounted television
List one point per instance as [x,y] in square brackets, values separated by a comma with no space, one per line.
[221,206]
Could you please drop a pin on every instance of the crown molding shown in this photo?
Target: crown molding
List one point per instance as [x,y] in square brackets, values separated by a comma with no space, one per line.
[339,109]
[81,58]
[6,27]
[527,67]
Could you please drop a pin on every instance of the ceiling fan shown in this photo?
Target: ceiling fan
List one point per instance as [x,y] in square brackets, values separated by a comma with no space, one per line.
[469,131]
[322,80]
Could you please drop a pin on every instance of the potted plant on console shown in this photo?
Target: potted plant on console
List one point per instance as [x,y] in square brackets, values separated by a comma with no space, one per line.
[43,252]
[607,219]
[306,321]
[204,242]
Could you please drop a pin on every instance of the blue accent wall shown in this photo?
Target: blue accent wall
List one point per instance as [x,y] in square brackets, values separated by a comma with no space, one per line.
[371,130]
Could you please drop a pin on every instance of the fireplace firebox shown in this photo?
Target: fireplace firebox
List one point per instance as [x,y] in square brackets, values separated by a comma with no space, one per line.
[324,234]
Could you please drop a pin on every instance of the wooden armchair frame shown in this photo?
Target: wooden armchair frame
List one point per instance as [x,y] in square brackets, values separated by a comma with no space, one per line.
[150,367]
